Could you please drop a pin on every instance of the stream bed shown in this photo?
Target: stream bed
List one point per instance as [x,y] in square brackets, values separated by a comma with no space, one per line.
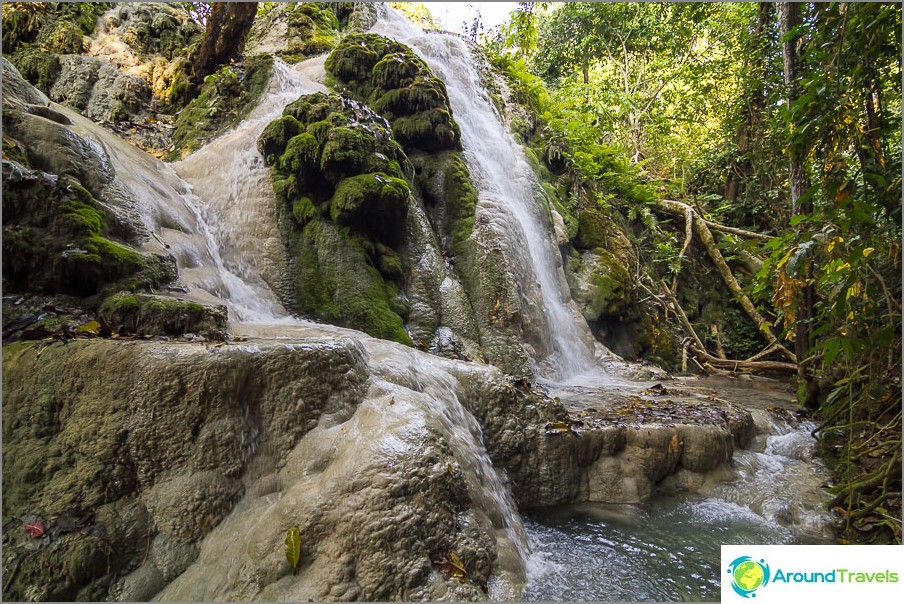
[668,547]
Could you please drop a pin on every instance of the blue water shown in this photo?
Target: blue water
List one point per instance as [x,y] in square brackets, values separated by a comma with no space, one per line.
[664,550]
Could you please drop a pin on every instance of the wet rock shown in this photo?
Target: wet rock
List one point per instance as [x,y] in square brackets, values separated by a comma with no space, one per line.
[128,313]
[198,460]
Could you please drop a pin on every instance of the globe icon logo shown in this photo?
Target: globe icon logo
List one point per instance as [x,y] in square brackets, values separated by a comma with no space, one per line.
[748,575]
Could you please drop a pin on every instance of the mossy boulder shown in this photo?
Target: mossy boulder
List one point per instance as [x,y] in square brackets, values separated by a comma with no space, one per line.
[225,99]
[343,206]
[58,239]
[128,313]
[398,85]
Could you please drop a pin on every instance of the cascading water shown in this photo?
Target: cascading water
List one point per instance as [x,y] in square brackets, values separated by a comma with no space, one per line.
[508,201]
[219,223]
[233,186]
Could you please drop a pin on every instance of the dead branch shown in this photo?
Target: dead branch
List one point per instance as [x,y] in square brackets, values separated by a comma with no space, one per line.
[735,231]
[676,208]
[680,313]
[744,366]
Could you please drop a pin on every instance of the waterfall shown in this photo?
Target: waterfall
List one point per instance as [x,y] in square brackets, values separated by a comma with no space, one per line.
[509,200]
[236,199]
[215,213]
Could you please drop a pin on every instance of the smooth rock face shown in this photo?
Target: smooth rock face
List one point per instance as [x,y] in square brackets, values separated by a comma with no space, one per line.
[218,451]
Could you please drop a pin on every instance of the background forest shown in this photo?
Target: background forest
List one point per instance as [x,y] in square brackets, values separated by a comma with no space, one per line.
[778,126]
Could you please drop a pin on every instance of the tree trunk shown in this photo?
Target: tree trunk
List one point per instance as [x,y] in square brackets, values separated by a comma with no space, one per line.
[788,19]
[227,26]
[756,102]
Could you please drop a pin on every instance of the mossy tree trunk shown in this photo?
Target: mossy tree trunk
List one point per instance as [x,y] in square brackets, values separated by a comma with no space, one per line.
[227,27]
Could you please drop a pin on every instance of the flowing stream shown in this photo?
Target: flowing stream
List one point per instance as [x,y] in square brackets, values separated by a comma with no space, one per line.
[214,211]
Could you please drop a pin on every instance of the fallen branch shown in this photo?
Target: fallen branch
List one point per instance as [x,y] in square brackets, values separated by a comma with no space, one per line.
[734,231]
[677,208]
[744,366]
[680,313]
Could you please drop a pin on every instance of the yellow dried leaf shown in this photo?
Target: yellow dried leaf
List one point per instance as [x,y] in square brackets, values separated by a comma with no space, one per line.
[293,548]
[91,328]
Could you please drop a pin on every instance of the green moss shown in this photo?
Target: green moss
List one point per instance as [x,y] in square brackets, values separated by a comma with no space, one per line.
[225,99]
[592,229]
[311,30]
[336,283]
[611,292]
[371,203]
[39,67]
[302,154]
[128,313]
[57,240]
[276,135]
[54,26]
[398,85]
[303,209]
[63,37]
[343,203]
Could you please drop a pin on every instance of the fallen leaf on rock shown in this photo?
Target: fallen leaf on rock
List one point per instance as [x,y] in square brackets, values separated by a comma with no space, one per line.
[35,530]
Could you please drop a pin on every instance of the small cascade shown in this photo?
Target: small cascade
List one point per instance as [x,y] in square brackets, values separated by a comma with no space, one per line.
[509,202]
[781,479]
[668,548]
[235,196]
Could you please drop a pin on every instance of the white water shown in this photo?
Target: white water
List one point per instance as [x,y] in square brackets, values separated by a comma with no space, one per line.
[508,201]
[215,214]
[236,199]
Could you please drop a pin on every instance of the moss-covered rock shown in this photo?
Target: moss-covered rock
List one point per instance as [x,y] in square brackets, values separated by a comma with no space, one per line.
[38,66]
[342,209]
[57,27]
[450,196]
[154,29]
[398,85]
[225,99]
[57,240]
[141,314]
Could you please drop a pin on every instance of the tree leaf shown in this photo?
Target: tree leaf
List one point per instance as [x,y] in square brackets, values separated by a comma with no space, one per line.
[293,548]
[91,328]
